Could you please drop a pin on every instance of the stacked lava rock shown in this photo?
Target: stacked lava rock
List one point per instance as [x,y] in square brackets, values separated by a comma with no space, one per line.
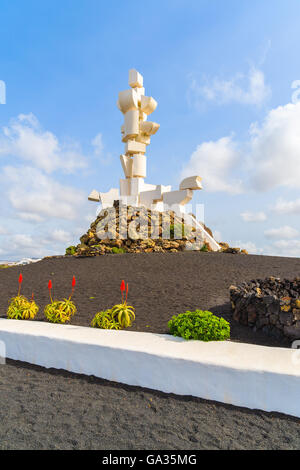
[104,235]
[271,305]
[225,248]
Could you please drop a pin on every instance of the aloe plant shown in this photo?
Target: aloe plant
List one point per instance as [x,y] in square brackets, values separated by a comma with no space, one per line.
[20,308]
[123,312]
[60,311]
[105,321]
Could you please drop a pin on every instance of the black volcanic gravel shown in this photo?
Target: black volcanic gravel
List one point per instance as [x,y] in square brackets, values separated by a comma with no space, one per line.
[50,409]
[160,285]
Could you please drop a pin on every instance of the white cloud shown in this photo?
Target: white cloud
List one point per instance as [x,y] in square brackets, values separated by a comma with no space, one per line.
[285,248]
[274,158]
[250,89]
[287,207]
[60,236]
[214,161]
[249,246]
[97,143]
[283,233]
[36,196]
[3,231]
[217,236]
[253,216]
[26,140]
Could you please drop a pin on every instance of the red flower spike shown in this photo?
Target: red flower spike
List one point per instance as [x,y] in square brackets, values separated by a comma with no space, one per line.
[73,282]
[20,283]
[126,292]
[122,286]
[50,287]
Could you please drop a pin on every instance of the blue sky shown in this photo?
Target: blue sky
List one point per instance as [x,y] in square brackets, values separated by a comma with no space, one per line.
[222,74]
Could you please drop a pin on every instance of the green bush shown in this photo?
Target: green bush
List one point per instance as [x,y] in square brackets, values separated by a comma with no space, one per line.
[71,250]
[199,325]
[204,247]
[116,250]
[177,231]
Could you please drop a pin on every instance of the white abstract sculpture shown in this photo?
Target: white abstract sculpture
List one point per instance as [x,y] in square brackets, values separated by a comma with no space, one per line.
[136,135]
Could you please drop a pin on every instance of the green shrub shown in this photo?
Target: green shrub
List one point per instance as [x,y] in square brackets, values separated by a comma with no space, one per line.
[105,321]
[199,325]
[71,250]
[177,231]
[204,247]
[116,250]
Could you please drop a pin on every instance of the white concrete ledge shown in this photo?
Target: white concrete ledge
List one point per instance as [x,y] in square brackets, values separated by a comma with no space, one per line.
[240,374]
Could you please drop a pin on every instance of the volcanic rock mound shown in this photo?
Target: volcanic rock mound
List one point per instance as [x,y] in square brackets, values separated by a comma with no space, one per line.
[272,305]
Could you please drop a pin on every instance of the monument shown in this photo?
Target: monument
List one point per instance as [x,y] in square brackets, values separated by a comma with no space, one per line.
[136,135]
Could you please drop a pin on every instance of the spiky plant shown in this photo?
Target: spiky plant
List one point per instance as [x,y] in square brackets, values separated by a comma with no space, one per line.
[105,321]
[60,311]
[20,308]
[123,312]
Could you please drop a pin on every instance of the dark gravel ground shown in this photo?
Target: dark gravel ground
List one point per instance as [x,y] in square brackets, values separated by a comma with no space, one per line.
[50,409]
[160,285]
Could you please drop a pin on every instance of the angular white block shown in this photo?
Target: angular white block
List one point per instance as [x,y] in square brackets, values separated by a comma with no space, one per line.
[128,100]
[125,187]
[126,163]
[107,199]
[148,104]
[130,200]
[143,138]
[132,147]
[94,196]
[135,79]
[139,166]
[131,124]
[193,182]
[137,185]
[178,197]
[149,128]
[140,92]
[153,196]
[176,200]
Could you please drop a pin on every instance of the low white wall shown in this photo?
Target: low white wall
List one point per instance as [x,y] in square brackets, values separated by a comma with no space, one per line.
[246,375]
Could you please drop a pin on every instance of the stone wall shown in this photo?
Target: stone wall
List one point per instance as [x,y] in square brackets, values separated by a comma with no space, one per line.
[271,305]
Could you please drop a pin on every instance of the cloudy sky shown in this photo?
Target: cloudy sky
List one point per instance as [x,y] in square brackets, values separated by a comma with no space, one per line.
[226,76]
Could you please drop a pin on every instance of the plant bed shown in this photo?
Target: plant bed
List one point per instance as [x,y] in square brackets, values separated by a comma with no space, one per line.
[161,285]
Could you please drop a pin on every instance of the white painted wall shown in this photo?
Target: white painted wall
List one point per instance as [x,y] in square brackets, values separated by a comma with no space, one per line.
[245,375]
